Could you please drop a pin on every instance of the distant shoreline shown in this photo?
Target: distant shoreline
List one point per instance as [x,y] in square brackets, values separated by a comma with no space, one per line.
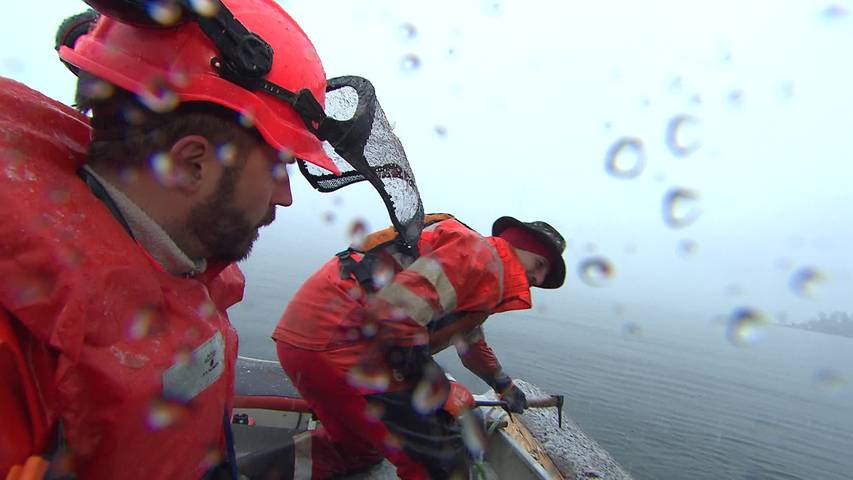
[837,323]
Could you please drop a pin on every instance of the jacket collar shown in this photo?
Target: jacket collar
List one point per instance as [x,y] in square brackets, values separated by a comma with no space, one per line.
[150,235]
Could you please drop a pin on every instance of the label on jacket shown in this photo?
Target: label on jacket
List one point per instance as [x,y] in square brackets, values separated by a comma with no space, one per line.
[190,375]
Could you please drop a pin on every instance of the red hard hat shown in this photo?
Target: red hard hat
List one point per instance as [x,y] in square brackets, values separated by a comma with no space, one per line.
[168,66]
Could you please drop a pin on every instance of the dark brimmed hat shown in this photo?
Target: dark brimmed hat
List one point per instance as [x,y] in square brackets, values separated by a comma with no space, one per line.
[550,238]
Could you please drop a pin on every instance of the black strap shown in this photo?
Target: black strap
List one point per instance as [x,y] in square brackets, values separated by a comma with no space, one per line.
[101,194]
[361,270]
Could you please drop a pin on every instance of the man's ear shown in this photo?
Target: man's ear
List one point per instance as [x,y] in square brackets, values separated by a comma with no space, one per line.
[193,162]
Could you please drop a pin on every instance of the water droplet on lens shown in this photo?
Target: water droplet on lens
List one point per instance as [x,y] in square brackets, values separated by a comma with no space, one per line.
[183,357]
[688,247]
[382,275]
[206,309]
[393,442]
[285,156]
[682,136]
[429,394]
[735,98]
[680,207]
[626,158]
[97,89]
[408,31]
[410,63]
[357,233]
[365,376]
[676,82]
[473,434]
[164,12]
[374,411]
[369,329]
[596,271]
[279,171]
[460,344]
[246,119]
[835,11]
[632,329]
[354,293]
[163,414]
[746,327]
[805,279]
[441,131]
[32,288]
[69,256]
[159,97]
[492,7]
[58,195]
[226,153]
[829,378]
[162,167]
[128,175]
[353,334]
[142,322]
[212,458]
[205,8]
[133,115]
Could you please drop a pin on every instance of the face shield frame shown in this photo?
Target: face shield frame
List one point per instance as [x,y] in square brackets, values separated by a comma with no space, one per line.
[355,139]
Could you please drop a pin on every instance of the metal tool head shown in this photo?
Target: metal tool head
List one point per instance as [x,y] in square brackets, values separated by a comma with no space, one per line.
[560,400]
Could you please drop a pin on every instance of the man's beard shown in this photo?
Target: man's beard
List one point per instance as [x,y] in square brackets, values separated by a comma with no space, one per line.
[222,229]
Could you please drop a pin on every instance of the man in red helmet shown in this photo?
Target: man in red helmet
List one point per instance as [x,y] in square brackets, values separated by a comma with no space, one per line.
[357,341]
[120,232]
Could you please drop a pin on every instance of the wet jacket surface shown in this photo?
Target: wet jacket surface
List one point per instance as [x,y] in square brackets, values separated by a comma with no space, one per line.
[136,364]
[440,298]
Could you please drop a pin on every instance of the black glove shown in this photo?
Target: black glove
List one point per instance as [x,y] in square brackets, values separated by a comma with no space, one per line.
[515,399]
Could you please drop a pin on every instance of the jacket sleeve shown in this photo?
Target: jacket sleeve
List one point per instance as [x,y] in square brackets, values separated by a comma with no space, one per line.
[458,270]
[478,357]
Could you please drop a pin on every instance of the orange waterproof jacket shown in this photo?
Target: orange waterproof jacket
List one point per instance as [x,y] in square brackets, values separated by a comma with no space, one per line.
[460,277]
[135,364]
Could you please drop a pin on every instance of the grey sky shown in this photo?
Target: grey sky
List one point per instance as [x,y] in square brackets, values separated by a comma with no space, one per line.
[532,94]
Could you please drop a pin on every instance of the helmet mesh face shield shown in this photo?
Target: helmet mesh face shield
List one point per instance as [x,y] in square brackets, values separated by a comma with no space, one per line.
[364,147]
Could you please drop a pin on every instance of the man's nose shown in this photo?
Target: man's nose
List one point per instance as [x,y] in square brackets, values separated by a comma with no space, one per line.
[282,194]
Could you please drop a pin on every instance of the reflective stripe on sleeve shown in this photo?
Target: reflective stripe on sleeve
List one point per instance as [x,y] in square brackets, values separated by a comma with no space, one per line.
[432,271]
[499,266]
[406,300]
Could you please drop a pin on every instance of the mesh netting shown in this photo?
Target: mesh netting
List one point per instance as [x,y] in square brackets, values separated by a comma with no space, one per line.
[379,158]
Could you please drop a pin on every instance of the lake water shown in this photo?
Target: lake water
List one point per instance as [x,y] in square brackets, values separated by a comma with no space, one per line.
[668,396]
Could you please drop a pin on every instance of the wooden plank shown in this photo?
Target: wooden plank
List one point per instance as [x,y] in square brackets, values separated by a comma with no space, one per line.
[522,435]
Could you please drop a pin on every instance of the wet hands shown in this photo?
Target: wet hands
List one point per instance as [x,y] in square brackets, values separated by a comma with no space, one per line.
[516,401]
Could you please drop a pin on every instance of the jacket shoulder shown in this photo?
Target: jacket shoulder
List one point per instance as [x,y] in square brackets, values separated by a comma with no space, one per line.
[35,125]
